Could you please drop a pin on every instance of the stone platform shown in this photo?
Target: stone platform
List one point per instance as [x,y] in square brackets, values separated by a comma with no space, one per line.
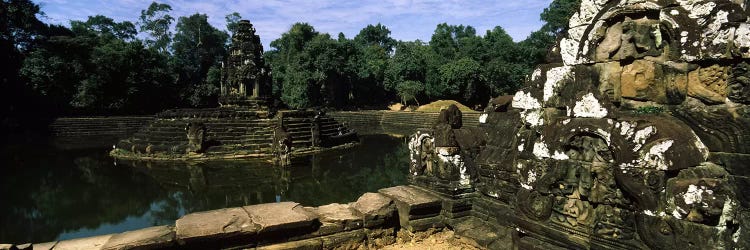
[232,133]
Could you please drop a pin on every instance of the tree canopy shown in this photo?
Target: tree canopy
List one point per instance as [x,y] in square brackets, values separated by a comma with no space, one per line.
[103,66]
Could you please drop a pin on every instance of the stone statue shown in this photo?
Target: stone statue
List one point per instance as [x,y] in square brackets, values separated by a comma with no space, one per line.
[196,135]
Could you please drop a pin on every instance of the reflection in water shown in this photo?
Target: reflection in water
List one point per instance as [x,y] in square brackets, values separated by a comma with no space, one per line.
[52,194]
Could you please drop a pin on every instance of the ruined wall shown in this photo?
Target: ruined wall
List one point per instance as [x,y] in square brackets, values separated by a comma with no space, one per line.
[75,131]
[635,135]
[390,122]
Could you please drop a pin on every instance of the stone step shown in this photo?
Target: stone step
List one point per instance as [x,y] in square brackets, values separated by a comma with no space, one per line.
[413,204]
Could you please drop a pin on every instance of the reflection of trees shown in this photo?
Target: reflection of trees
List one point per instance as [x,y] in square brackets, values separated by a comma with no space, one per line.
[47,192]
[380,161]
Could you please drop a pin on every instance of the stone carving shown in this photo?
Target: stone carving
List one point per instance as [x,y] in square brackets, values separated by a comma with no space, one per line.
[282,145]
[196,135]
[576,160]
[739,83]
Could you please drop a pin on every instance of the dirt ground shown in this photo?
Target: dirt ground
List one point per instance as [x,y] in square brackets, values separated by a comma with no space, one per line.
[431,240]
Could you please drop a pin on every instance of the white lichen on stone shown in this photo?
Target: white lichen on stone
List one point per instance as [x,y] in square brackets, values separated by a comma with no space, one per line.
[736,235]
[457,162]
[540,150]
[523,100]
[554,77]
[605,135]
[676,214]
[569,51]
[655,155]
[560,156]
[565,122]
[648,212]
[530,179]
[674,12]
[742,38]
[727,214]
[520,147]
[483,118]
[694,194]
[415,145]
[589,107]
[700,146]
[641,136]
[536,74]
[684,38]
[533,117]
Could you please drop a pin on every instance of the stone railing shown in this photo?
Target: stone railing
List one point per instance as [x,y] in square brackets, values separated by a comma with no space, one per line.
[373,221]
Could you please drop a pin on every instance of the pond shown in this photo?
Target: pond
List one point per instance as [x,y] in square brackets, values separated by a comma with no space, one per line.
[53,193]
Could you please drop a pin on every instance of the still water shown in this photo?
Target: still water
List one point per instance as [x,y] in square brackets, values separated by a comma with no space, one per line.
[50,193]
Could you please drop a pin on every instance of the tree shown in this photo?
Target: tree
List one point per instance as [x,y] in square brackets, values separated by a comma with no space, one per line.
[233,22]
[197,47]
[375,35]
[105,27]
[558,14]
[458,80]
[156,21]
[20,107]
[408,90]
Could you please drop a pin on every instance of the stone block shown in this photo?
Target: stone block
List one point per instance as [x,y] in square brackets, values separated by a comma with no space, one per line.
[281,217]
[45,246]
[413,202]
[374,205]
[345,240]
[423,224]
[147,238]
[309,244]
[96,242]
[215,225]
[339,214]
[735,164]
[6,246]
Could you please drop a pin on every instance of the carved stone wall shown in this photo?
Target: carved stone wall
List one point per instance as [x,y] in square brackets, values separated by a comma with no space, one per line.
[637,137]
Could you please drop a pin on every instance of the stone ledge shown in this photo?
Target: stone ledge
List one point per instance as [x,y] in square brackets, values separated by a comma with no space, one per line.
[216,224]
[284,216]
[151,238]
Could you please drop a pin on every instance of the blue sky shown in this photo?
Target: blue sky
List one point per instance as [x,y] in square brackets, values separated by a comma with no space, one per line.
[407,19]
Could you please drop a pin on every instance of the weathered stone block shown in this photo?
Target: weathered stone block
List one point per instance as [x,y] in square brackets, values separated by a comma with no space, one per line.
[147,238]
[308,244]
[413,203]
[735,164]
[642,81]
[281,217]
[375,208]
[45,246]
[215,225]
[339,214]
[96,242]
[345,240]
[423,224]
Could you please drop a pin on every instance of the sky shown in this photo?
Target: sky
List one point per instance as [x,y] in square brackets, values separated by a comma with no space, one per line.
[407,20]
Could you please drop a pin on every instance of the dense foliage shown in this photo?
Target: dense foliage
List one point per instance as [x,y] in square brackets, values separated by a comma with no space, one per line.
[100,66]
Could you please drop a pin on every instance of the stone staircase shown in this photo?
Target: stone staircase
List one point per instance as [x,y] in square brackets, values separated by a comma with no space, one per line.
[76,127]
[229,132]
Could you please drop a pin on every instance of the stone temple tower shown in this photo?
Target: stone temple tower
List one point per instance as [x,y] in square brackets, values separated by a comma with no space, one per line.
[245,78]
